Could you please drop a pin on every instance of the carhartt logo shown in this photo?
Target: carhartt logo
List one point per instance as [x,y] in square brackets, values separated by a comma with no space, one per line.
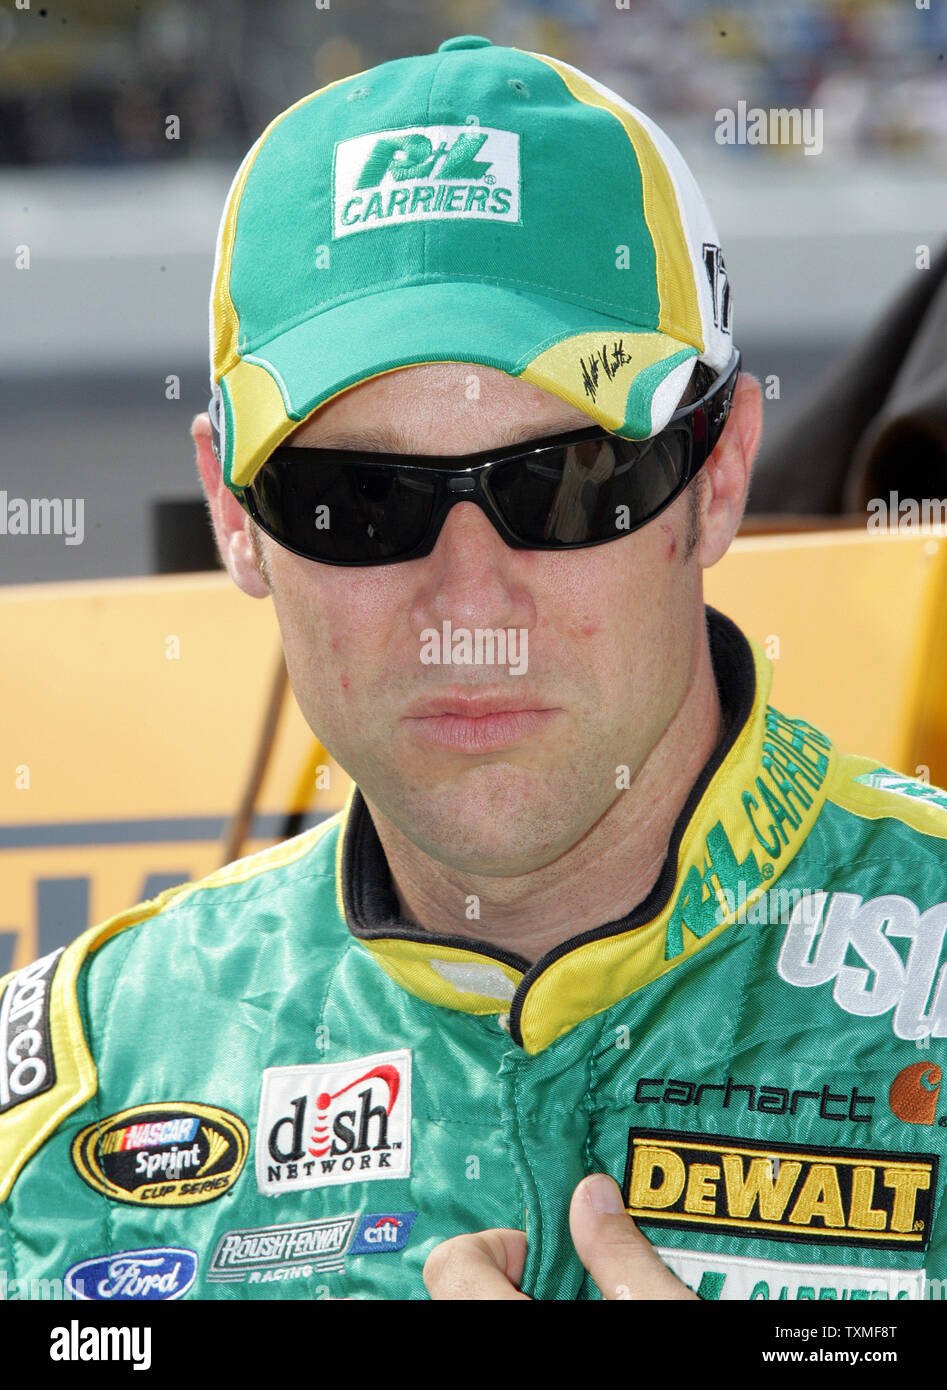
[421,172]
[913,1093]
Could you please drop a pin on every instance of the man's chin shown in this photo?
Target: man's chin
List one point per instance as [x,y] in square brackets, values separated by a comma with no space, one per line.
[486,859]
[500,831]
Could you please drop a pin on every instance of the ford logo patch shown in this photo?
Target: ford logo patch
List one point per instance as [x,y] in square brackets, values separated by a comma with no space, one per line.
[133,1275]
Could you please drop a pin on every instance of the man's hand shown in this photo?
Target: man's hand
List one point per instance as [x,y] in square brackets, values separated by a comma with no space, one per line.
[489,1265]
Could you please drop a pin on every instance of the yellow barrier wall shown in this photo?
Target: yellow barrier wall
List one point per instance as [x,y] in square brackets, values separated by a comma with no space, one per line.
[861,635]
[131,710]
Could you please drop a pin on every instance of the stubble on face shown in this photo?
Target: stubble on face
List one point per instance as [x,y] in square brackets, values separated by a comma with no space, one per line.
[610,645]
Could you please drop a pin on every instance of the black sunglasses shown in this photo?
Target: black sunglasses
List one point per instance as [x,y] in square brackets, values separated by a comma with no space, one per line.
[562,492]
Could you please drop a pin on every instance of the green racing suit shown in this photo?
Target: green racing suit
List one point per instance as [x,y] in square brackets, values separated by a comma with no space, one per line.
[268,1084]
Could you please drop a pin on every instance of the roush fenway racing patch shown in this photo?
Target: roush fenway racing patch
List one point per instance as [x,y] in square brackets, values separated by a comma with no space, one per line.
[741,1187]
[301,1248]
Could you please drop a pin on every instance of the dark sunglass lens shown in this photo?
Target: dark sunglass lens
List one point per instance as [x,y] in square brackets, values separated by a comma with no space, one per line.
[556,496]
[647,481]
[343,512]
[590,491]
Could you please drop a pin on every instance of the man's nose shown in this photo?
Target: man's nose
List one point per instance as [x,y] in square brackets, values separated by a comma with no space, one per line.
[472,576]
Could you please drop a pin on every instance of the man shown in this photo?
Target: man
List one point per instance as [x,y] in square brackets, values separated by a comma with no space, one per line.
[596,917]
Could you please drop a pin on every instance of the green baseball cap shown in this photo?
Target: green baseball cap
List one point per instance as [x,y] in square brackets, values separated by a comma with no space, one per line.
[478,204]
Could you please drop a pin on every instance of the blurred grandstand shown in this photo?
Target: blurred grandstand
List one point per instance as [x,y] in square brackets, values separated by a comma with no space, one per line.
[90,84]
[103,358]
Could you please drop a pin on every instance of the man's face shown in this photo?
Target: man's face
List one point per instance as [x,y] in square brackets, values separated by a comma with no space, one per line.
[610,633]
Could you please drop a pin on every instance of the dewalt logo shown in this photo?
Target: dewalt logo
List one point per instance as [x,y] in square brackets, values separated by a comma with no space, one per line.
[780,1192]
[390,177]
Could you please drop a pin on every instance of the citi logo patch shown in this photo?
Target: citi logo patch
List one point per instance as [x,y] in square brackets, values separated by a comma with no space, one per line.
[383,1232]
[419,173]
[134,1276]
[348,1122]
[913,1093]
[780,1192]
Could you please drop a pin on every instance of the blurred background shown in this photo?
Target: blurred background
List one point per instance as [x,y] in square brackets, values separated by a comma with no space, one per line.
[142,744]
[103,354]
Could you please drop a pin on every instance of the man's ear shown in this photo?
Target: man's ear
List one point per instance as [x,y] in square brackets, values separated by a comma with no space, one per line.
[728,472]
[231,523]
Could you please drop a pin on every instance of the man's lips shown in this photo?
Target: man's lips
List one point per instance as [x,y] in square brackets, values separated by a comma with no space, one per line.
[472,723]
[473,705]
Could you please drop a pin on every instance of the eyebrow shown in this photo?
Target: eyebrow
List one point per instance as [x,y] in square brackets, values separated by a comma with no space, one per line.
[392,440]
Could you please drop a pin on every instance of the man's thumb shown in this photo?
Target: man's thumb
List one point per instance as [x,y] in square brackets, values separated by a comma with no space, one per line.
[619,1258]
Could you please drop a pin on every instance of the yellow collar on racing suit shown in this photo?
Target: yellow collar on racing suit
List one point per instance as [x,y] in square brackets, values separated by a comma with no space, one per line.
[745,818]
